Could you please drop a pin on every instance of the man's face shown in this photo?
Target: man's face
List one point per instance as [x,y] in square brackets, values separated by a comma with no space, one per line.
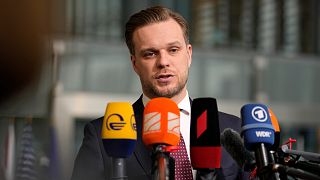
[162,59]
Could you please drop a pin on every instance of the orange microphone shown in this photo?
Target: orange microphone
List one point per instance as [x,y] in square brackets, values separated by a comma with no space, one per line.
[276,144]
[161,133]
[276,127]
[161,123]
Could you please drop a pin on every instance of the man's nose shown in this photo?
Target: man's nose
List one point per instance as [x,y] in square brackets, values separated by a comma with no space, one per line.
[163,59]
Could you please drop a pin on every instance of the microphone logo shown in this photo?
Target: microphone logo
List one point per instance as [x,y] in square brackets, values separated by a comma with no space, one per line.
[259,114]
[133,122]
[173,123]
[115,122]
[152,123]
[263,134]
[201,123]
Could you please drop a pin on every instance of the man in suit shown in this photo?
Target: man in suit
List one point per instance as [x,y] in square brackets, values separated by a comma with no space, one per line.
[161,55]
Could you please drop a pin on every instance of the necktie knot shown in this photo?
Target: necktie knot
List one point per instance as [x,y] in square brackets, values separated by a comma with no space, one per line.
[184,111]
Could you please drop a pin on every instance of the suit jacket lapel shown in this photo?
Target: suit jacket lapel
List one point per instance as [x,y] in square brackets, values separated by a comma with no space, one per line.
[142,154]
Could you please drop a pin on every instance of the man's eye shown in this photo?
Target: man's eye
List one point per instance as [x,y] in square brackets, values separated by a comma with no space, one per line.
[174,50]
[149,54]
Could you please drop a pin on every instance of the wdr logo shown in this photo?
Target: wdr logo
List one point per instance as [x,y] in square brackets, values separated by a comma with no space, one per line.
[259,114]
[263,134]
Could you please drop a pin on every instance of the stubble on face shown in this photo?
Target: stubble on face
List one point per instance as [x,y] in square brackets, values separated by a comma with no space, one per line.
[152,90]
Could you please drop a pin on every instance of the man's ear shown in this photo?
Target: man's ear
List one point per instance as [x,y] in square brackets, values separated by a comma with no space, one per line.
[189,49]
[133,62]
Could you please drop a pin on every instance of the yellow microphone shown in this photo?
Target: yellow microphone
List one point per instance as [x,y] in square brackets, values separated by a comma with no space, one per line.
[119,133]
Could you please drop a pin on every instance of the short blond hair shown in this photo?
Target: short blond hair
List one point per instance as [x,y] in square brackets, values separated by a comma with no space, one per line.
[152,15]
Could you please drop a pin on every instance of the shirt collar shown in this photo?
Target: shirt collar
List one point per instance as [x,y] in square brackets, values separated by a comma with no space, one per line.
[184,105]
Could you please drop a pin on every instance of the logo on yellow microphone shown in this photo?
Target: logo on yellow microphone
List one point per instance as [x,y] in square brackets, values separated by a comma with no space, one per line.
[133,122]
[119,122]
[115,122]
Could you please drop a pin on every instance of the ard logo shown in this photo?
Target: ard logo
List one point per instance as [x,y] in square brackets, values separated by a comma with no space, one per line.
[259,114]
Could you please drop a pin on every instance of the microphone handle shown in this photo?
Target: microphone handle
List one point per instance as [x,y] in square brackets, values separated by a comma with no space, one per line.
[261,155]
[207,174]
[262,159]
[306,155]
[308,166]
[119,169]
[273,161]
[160,165]
[295,172]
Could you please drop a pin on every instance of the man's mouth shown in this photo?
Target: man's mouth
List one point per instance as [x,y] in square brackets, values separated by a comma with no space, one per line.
[164,76]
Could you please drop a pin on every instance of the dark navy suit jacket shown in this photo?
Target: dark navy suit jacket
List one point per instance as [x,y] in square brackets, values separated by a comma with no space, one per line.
[92,162]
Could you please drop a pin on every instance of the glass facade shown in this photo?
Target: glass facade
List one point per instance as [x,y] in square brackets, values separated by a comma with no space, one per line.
[243,51]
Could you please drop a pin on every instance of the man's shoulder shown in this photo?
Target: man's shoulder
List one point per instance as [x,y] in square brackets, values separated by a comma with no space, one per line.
[96,122]
[227,116]
[229,121]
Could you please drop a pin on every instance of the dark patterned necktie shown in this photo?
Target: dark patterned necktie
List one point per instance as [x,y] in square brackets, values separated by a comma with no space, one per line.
[183,169]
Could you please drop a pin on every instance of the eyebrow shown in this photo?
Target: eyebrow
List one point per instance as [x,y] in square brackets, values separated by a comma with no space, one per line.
[174,43]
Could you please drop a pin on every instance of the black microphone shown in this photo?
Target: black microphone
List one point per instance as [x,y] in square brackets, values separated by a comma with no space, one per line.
[232,142]
[205,146]
[296,173]
[306,166]
[306,155]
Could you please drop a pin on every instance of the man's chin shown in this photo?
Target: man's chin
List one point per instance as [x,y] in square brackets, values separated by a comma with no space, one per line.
[169,93]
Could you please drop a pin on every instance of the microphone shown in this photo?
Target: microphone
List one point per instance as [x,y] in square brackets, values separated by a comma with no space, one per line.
[276,127]
[119,135]
[308,166]
[258,134]
[274,148]
[205,147]
[161,133]
[232,142]
[301,168]
[296,173]
[306,155]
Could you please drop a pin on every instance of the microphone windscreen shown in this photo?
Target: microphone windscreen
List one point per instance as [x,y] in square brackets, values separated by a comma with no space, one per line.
[161,122]
[275,124]
[205,147]
[232,142]
[118,132]
[256,126]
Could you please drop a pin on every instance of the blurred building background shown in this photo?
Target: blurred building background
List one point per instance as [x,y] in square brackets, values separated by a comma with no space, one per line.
[245,51]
